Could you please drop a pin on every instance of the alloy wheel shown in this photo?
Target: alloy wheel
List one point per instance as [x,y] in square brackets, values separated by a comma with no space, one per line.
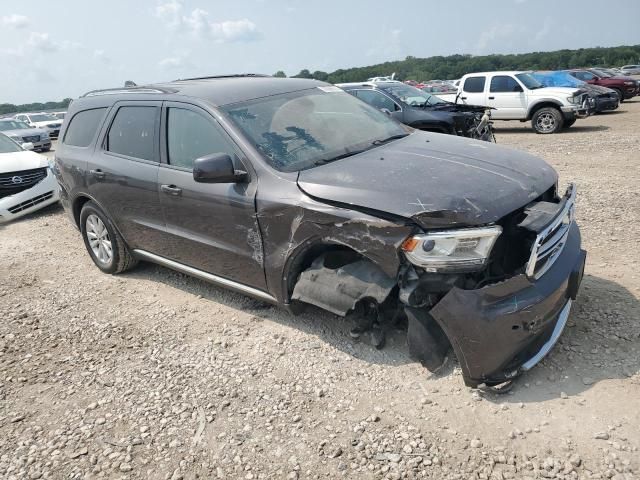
[546,122]
[99,241]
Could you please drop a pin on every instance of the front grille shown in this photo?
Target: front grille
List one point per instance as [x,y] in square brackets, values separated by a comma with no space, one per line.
[32,138]
[551,240]
[16,182]
[31,202]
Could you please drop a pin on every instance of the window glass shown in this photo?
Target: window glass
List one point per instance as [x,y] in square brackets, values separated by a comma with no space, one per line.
[504,83]
[474,85]
[132,132]
[82,129]
[376,99]
[191,135]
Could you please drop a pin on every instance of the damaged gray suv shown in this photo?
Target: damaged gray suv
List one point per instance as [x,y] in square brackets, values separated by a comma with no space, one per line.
[295,192]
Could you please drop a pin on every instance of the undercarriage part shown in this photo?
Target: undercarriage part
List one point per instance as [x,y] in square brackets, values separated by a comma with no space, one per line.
[427,342]
[376,321]
[338,288]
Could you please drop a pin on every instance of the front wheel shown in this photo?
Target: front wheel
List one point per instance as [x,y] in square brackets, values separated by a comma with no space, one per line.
[547,120]
[569,123]
[106,247]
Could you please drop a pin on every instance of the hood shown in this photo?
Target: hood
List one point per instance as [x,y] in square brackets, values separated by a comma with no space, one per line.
[437,180]
[17,161]
[554,91]
[57,123]
[24,132]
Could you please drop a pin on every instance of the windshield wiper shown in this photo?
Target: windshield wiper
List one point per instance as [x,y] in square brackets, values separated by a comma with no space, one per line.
[322,161]
[388,139]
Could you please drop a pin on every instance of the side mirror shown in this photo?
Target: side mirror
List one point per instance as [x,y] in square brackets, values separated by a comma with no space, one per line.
[385,110]
[27,146]
[217,168]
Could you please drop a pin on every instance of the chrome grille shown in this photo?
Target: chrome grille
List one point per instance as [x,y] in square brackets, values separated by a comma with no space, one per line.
[31,202]
[32,138]
[551,240]
[15,182]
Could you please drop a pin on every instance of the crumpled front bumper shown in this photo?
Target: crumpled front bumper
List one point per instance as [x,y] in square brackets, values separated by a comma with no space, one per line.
[501,330]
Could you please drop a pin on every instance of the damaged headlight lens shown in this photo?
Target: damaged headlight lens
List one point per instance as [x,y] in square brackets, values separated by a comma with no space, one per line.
[451,250]
[575,99]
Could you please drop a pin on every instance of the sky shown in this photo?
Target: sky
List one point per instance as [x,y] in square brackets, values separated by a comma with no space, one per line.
[49,51]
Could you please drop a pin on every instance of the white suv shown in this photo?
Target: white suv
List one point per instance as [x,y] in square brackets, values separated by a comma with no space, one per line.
[27,182]
[519,96]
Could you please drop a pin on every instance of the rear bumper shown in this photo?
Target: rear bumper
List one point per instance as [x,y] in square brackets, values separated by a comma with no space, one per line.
[502,330]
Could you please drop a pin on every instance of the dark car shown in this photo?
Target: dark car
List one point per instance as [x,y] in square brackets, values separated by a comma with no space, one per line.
[605,99]
[294,192]
[625,87]
[421,110]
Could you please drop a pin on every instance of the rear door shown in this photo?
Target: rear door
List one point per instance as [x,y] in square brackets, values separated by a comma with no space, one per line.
[473,90]
[212,227]
[122,174]
[508,97]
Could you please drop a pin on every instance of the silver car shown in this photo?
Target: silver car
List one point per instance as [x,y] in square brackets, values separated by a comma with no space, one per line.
[630,70]
[23,133]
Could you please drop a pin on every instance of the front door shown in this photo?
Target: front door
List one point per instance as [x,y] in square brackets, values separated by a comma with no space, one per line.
[381,102]
[122,173]
[506,93]
[212,227]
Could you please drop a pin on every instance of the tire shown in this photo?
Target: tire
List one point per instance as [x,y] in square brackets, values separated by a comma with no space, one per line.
[620,94]
[547,120]
[569,123]
[98,234]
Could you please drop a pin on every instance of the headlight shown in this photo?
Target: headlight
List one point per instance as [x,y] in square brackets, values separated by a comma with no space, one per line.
[629,83]
[573,100]
[44,136]
[452,250]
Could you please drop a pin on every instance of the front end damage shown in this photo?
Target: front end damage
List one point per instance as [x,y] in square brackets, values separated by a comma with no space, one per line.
[500,321]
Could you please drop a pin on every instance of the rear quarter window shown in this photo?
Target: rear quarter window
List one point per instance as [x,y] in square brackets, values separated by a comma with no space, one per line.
[474,84]
[83,127]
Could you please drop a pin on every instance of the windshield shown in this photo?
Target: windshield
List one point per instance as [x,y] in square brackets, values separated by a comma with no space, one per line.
[411,95]
[557,79]
[42,117]
[12,125]
[528,80]
[8,146]
[300,130]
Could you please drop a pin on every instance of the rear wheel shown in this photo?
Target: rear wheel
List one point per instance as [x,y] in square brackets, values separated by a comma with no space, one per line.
[106,247]
[547,120]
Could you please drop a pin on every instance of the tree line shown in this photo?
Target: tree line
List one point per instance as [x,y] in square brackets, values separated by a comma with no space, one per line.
[7,108]
[454,66]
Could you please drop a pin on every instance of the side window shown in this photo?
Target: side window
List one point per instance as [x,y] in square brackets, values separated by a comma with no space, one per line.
[133,132]
[191,135]
[504,83]
[474,85]
[377,100]
[83,127]
[588,76]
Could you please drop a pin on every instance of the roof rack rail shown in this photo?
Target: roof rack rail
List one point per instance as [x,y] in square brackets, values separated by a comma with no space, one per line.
[116,91]
[233,75]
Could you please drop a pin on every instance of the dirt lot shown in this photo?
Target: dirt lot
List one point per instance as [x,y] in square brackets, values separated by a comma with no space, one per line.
[153,374]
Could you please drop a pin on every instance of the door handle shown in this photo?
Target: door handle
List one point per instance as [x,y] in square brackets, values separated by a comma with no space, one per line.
[492,98]
[463,98]
[99,174]
[171,190]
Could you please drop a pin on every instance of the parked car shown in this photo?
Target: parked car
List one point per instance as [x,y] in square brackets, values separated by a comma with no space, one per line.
[59,115]
[605,99]
[519,96]
[625,87]
[355,213]
[41,120]
[27,183]
[630,70]
[438,88]
[23,133]
[423,111]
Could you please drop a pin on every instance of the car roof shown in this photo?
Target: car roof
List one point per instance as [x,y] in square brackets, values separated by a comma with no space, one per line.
[219,91]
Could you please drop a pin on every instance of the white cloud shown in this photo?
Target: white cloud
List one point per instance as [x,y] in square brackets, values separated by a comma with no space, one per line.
[198,23]
[101,56]
[14,20]
[42,41]
[171,63]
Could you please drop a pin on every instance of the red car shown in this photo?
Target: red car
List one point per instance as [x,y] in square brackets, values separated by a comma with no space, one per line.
[625,87]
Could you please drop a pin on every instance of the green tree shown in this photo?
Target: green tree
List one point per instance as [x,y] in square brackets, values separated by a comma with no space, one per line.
[303,74]
[280,74]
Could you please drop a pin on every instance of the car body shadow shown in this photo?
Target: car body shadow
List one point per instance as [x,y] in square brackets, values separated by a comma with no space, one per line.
[575,128]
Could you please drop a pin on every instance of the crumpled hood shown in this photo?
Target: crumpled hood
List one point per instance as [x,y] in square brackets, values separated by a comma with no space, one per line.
[437,180]
[17,161]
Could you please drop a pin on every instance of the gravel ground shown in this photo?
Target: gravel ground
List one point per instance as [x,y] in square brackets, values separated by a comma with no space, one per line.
[153,374]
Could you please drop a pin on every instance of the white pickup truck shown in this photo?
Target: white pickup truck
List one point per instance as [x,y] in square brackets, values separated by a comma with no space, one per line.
[519,96]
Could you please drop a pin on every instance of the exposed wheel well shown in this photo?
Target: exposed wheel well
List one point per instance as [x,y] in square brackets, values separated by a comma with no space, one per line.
[78,203]
[540,105]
